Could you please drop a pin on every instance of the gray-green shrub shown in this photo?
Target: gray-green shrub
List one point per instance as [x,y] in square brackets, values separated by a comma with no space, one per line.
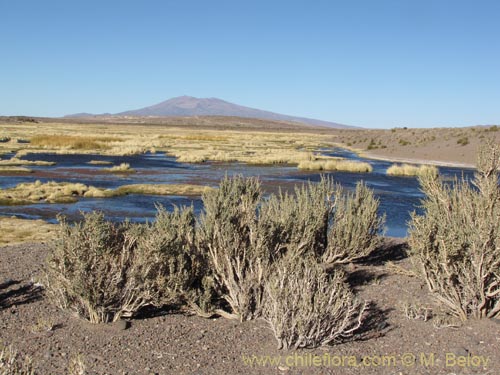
[456,242]
[229,236]
[354,232]
[307,308]
[245,236]
[104,271]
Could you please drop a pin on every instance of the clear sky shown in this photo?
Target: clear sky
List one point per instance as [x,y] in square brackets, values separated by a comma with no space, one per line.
[373,63]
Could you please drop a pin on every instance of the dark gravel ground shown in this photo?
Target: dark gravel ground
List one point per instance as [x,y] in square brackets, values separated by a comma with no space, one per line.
[183,344]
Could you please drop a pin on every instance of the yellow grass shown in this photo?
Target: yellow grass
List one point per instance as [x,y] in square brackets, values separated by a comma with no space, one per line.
[14,231]
[187,143]
[122,168]
[99,162]
[411,170]
[162,189]
[13,170]
[336,165]
[63,192]
[16,161]
[72,142]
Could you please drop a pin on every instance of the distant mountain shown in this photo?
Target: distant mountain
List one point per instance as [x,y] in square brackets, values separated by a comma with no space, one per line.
[183,106]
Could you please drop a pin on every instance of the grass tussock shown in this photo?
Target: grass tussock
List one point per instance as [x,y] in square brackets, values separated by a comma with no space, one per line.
[162,189]
[336,165]
[412,170]
[14,170]
[122,168]
[17,162]
[99,162]
[14,230]
[63,192]
[72,142]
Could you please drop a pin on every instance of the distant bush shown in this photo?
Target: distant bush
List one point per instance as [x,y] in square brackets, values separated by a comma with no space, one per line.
[404,142]
[306,307]
[456,242]
[4,139]
[463,141]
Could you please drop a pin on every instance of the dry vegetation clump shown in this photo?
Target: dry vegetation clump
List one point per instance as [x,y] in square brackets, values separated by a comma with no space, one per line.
[307,308]
[11,363]
[161,189]
[336,165]
[51,192]
[122,168]
[246,259]
[72,142]
[16,161]
[169,244]
[104,271]
[252,243]
[14,230]
[411,170]
[64,192]
[99,162]
[14,170]
[239,262]
[356,226]
[456,242]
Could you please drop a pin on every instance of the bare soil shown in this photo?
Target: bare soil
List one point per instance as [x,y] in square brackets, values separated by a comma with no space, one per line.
[163,342]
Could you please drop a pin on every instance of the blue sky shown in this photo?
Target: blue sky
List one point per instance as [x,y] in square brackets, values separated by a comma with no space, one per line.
[373,63]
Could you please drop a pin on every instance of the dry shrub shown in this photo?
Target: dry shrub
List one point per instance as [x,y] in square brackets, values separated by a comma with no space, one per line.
[170,247]
[297,223]
[456,242]
[355,227]
[245,236]
[228,235]
[306,307]
[104,271]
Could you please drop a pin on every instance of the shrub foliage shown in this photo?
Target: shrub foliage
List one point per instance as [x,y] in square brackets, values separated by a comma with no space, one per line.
[104,271]
[456,242]
[246,258]
[306,307]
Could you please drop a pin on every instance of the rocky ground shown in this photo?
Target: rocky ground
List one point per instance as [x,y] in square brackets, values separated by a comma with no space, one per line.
[403,334]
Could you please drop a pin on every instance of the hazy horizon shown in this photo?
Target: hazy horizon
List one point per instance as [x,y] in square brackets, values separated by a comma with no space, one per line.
[371,64]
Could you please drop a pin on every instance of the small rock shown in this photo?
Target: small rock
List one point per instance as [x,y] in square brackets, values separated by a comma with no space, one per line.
[460,351]
[283,368]
[123,324]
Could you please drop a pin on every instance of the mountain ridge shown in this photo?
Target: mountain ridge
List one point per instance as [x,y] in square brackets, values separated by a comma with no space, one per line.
[187,106]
